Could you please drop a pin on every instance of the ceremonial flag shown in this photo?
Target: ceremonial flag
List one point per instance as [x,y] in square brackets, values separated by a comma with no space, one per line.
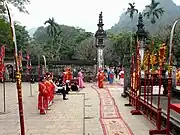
[2,51]
[28,65]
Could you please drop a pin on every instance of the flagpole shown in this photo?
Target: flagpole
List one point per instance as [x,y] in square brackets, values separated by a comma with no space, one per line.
[44,64]
[30,79]
[39,68]
[18,75]
[4,87]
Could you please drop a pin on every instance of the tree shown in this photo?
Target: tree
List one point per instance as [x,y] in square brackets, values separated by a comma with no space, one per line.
[5,32]
[153,11]
[131,10]
[52,28]
[19,4]
[41,35]
[22,36]
[86,50]
[120,47]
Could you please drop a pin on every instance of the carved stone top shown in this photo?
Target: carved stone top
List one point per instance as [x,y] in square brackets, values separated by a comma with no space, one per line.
[141,33]
[100,33]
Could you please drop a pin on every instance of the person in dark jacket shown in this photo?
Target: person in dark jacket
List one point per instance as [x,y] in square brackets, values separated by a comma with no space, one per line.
[61,88]
[74,86]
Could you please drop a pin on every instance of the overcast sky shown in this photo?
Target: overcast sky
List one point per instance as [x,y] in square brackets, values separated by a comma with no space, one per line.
[78,13]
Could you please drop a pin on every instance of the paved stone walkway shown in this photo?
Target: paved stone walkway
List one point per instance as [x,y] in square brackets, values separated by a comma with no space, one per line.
[65,117]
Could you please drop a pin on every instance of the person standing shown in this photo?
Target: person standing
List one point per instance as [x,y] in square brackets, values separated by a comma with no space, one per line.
[49,88]
[42,97]
[121,76]
[116,72]
[80,79]
[61,88]
[111,76]
[69,75]
[100,77]
[53,86]
[64,76]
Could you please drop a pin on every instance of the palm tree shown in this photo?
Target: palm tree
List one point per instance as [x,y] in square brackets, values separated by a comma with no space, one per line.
[153,11]
[54,32]
[53,27]
[131,10]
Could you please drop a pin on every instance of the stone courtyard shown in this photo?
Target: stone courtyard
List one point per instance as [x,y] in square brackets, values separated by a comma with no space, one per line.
[80,115]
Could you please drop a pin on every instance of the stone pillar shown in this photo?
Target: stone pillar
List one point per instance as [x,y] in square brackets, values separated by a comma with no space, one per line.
[100,58]
[100,35]
[142,35]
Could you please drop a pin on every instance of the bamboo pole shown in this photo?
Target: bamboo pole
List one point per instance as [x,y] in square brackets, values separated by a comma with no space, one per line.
[170,76]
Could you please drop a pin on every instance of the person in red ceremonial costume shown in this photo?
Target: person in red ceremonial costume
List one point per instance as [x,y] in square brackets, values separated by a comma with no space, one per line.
[42,97]
[49,88]
[64,76]
[69,75]
[53,86]
[100,77]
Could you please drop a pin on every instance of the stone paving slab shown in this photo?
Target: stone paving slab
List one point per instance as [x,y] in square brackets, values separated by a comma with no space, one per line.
[137,123]
[65,117]
[92,113]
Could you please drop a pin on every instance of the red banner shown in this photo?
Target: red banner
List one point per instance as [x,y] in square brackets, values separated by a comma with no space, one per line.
[28,65]
[2,51]
[2,67]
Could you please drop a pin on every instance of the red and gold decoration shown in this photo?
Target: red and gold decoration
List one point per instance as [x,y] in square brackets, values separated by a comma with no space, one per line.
[162,54]
[18,73]
[28,65]
[2,66]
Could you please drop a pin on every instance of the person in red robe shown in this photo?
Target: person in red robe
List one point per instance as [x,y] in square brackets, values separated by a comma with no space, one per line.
[49,88]
[53,86]
[69,75]
[42,97]
[64,76]
[101,77]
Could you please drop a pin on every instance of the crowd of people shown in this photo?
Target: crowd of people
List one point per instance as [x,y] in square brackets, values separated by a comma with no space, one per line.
[110,73]
[49,86]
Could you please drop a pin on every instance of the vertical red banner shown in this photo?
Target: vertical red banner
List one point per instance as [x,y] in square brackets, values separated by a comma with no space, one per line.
[2,67]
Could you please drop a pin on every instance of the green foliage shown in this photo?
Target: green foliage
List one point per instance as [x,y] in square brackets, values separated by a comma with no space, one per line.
[52,28]
[41,35]
[86,50]
[5,32]
[131,10]
[19,4]
[22,36]
[153,12]
[60,42]
[120,48]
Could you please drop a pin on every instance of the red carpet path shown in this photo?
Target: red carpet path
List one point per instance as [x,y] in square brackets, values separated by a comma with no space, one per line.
[111,121]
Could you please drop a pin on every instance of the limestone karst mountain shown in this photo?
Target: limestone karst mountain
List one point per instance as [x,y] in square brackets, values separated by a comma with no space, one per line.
[172,12]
